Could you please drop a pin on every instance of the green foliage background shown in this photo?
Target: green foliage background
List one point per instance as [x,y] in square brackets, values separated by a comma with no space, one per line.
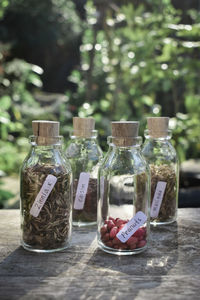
[138,59]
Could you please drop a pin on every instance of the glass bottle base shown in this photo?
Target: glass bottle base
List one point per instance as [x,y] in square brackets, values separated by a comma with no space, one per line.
[84,224]
[158,222]
[32,249]
[120,252]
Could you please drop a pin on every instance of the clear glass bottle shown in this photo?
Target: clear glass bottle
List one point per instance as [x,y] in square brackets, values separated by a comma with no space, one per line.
[162,159]
[46,192]
[84,154]
[123,193]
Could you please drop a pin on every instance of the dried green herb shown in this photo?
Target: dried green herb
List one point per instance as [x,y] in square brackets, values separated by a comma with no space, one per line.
[89,211]
[167,174]
[52,228]
[141,191]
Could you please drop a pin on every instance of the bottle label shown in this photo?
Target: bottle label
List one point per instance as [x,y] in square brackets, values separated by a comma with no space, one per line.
[81,190]
[131,227]
[157,198]
[43,194]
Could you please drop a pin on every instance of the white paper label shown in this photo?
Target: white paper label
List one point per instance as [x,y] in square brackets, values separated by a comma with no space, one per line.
[157,198]
[43,194]
[131,227]
[81,190]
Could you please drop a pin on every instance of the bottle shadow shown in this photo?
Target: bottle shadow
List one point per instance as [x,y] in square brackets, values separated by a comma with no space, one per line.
[31,275]
[129,275]
[85,272]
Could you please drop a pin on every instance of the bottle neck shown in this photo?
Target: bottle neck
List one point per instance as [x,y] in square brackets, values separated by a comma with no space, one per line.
[124,143]
[46,144]
[83,140]
[158,136]
[84,134]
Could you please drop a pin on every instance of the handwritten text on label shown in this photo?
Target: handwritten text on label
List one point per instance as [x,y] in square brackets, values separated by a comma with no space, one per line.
[131,227]
[43,194]
[81,190]
[157,198]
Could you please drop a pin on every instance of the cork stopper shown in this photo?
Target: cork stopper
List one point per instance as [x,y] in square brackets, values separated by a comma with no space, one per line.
[45,131]
[83,127]
[158,126]
[124,133]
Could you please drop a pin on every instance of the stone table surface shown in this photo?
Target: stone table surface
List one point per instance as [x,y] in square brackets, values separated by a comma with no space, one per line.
[169,269]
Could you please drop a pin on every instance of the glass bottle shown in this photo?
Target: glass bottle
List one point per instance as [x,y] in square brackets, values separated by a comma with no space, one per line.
[123,193]
[46,192]
[162,159]
[84,154]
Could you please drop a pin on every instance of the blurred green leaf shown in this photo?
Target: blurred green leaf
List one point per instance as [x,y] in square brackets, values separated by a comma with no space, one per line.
[5,102]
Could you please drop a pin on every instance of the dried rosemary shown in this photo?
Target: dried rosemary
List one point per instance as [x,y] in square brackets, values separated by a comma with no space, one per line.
[164,173]
[52,228]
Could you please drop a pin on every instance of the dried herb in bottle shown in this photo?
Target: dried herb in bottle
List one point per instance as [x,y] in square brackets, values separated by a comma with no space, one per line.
[84,155]
[164,173]
[162,159]
[46,218]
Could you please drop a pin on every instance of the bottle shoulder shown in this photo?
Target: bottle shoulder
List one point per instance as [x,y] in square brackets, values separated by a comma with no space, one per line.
[54,160]
[89,150]
[164,151]
[84,156]
[126,162]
